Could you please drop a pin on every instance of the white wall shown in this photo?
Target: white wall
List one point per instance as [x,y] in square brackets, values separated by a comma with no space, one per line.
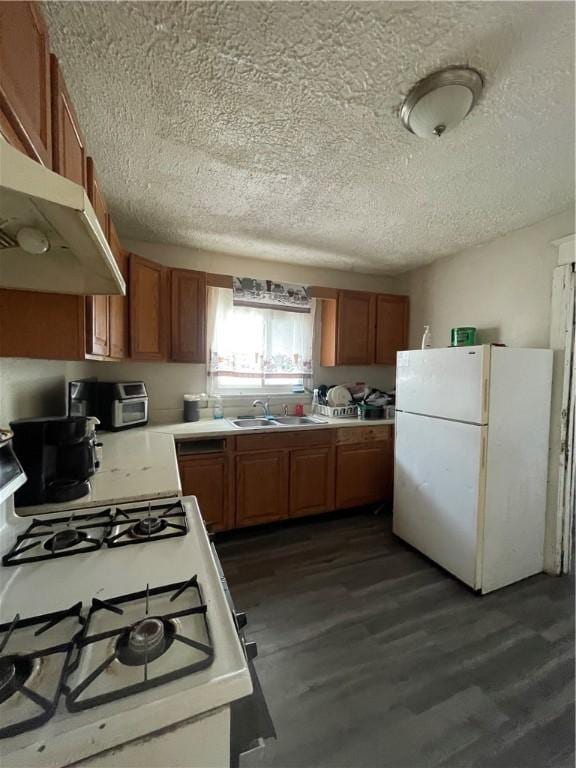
[168,382]
[35,387]
[504,289]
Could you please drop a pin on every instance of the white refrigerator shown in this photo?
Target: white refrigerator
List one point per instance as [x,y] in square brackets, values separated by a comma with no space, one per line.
[471,459]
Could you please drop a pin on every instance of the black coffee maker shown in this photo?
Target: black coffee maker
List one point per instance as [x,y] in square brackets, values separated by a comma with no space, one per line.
[58,454]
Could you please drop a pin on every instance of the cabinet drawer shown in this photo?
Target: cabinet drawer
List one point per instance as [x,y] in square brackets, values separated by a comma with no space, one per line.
[351,435]
[284,440]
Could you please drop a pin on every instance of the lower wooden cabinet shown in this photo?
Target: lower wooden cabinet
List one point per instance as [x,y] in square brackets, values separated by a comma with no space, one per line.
[261,487]
[311,480]
[363,473]
[293,474]
[207,477]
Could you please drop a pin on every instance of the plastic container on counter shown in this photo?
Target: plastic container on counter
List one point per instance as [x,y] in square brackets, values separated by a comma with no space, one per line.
[192,405]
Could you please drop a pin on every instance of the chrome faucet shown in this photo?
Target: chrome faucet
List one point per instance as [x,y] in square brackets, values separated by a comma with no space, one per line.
[265,405]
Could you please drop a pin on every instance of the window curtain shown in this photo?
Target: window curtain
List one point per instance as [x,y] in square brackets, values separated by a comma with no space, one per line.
[256,348]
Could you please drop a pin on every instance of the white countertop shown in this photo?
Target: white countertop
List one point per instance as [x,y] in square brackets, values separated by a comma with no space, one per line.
[141,463]
[136,464]
[223,427]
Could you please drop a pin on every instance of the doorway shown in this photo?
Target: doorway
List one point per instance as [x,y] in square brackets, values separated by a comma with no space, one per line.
[562,476]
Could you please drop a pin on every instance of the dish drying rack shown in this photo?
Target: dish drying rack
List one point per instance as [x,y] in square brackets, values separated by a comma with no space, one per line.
[339,412]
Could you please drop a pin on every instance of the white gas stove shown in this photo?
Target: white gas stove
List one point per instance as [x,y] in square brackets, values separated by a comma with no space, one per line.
[115,626]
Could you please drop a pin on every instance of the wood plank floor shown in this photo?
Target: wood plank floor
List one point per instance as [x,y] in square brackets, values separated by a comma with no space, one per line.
[372,656]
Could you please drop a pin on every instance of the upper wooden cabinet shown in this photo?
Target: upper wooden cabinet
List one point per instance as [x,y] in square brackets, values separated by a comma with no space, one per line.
[96,196]
[149,309]
[25,119]
[44,325]
[68,149]
[97,307]
[348,327]
[361,328]
[188,316]
[118,305]
[391,327]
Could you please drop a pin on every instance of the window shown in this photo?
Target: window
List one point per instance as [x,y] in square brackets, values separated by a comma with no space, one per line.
[256,350]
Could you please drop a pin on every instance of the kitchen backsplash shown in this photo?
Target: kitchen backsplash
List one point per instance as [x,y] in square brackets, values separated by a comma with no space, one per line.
[39,387]
[36,387]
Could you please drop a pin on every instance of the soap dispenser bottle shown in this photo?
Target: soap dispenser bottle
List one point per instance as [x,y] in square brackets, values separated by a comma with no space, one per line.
[426,338]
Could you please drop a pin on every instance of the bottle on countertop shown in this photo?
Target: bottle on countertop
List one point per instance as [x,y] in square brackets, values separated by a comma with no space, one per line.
[217,407]
[426,338]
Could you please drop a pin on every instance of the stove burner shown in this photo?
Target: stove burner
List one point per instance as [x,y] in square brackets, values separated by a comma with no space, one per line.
[148,526]
[145,641]
[14,671]
[65,539]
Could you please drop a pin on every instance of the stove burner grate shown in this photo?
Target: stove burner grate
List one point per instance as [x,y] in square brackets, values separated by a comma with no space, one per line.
[137,525]
[145,641]
[14,672]
[59,537]
[16,669]
[148,526]
[65,539]
[140,643]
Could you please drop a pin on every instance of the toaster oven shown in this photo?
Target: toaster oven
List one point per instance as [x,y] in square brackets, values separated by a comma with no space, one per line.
[122,404]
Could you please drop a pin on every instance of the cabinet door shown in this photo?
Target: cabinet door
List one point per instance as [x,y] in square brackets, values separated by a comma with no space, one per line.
[118,305]
[261,487]
[311,481]
[149,299]
[207,478]
[391,327]
[363,474]
[25,80]
[355,325]
[97,307]
[96,196]
[68,149]
[188,316]
[43,325]
[97,326]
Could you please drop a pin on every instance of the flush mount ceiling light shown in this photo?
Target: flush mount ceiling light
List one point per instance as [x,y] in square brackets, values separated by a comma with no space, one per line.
[440,101]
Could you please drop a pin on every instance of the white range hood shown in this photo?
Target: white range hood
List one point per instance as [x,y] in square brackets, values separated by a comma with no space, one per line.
[78,259]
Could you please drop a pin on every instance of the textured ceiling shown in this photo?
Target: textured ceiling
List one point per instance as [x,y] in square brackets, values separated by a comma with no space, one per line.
[270,129]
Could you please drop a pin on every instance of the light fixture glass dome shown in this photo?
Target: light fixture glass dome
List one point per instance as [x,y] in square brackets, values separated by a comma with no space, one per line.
[442,100]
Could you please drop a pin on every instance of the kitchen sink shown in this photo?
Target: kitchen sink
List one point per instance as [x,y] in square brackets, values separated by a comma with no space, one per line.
[251,423]
[296,420]
[274,421]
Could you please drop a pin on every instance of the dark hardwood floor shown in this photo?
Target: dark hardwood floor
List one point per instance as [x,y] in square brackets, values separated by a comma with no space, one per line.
[372,656]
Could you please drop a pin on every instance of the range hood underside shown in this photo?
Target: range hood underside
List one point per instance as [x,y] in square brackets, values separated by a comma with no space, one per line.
[79,260]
